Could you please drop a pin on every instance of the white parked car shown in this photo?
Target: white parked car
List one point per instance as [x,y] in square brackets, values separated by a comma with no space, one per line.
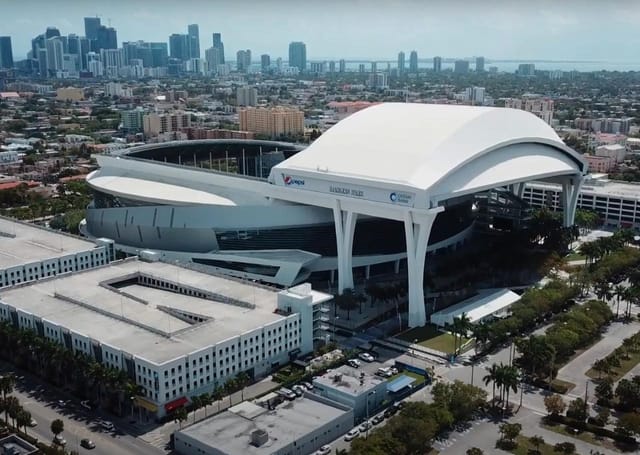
[352,435]
[355,363]
[366,357]
[324,450]
[364,426]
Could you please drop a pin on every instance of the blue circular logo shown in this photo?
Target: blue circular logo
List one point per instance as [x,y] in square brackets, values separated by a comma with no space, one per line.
[393,197]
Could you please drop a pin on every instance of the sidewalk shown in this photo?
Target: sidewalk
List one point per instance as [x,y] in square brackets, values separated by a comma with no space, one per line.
[575,370]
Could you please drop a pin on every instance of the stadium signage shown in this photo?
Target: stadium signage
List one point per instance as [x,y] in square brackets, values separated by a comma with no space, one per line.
[346,191]
[398,197]
[290,180]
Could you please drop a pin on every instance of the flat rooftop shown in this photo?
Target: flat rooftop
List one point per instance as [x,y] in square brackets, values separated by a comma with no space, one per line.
[22,243]
[600,188]
[110,305]
[348,380]
[230,431]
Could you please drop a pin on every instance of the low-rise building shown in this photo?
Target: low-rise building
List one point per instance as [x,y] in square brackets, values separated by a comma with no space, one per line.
[599,164]
[15,445]
[72,94]
[297,427]
[362,392]
[178,331]
[616,152]
[29,253]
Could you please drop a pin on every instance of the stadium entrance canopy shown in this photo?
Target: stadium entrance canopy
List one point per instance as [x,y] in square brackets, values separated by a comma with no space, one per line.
[405,161]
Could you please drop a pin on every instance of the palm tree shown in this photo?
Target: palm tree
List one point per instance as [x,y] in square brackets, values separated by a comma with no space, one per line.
[195,405]
[7,383]
[23,419]
[536,441]
[241,381]
[461,325]
[602,366]
[620,292]
[217,395]
[205,400]
[510,379]
[11,406]
[180,415]
[230,388]
[492,376]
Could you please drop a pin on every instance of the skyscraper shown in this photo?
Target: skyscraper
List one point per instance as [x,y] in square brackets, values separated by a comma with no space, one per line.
[342,65]
[437,64]
[265,61]
[413,62]
[400,63]
[332,66]
[159,55]
[51,32]
[194,41]
[55,52]
[298,55]
[479,64]
[243,60]
[179,46]
[213,56]
[218,44]
[6,53]
[461,67]
[91,26]
[107,38]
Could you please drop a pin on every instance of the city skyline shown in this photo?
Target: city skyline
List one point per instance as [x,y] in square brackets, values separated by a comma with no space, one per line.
[496,29]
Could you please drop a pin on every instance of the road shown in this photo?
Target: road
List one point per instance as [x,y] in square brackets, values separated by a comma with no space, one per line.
[42,403]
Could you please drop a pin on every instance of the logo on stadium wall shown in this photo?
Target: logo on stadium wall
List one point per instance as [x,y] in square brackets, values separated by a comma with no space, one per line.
[289,180]
[401,198]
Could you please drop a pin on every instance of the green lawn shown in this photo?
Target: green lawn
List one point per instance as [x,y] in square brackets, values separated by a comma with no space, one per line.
[575,257]
[616,373]
[524,445]
[584,436]
[430,337]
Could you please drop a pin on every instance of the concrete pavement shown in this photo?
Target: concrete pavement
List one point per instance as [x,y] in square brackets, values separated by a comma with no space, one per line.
[575,370]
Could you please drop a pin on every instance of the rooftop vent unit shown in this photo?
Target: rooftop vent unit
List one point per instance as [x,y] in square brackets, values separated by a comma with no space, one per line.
[259,438]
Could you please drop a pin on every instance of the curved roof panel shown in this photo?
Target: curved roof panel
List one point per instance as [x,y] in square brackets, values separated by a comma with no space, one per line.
[427,146]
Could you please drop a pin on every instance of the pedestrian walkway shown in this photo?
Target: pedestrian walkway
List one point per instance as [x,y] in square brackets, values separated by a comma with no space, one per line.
[575,371]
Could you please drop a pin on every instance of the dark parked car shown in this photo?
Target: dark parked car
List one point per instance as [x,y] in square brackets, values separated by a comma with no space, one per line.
[87,444]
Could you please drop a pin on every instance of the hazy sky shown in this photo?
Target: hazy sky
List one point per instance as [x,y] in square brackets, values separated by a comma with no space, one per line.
[498,29]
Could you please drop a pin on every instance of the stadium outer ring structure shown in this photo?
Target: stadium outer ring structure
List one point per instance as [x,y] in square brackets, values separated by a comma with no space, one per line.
[403,162]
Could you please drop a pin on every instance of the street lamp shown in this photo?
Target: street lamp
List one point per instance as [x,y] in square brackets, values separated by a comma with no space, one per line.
[335,322]
[373,392]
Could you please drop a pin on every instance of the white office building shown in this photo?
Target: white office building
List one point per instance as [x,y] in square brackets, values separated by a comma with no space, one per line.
[179,332]
[29,253]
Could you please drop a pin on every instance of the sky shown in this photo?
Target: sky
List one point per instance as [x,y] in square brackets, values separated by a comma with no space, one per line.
[561,30]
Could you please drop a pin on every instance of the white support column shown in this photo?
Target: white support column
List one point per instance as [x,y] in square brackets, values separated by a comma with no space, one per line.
[345,223]
[570,191]
[417,236]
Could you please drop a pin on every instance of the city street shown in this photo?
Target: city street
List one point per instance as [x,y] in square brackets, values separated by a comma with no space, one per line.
[42,402]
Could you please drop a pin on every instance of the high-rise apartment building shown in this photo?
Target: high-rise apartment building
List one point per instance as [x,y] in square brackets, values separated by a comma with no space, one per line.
[179,46]
[155,124]
[55,51]
[479,64]
[413,62]
[374,67]
[541,107]
[51,32]
[342,66]
[6,53]
[437,64]
[193,33]
[218,44]
[332,66]
[246,96]
[274,122]
[400,63]
[132,121]
[243,60]
[107,38]
[91,26]
[265,61]
[461,67]
[213,56]
[298,55]
[526,69]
